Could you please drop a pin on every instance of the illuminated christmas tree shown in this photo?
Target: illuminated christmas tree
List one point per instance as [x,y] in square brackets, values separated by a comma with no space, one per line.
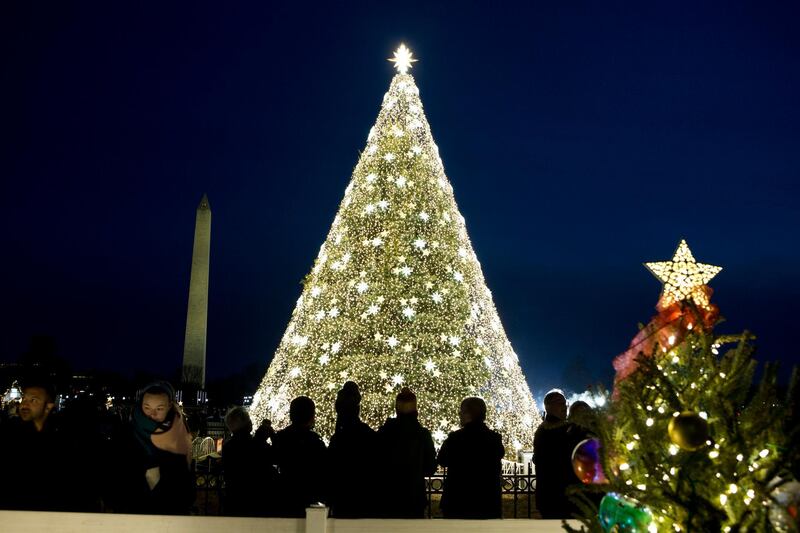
[688,443]
[397,297]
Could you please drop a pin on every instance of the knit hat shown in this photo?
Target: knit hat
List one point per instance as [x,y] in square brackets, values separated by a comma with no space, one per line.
[406,402]
[348,405]
[349,391]
[348,399]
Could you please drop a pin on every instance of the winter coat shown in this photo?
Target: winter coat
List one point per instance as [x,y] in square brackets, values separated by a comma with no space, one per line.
[473,485]
[406,449]
[33,468]
[300,455]
[552,454]
[348,494]
[175,491]
[251,482]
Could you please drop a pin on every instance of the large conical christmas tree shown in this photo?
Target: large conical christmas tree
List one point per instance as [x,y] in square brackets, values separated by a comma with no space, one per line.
[397,297]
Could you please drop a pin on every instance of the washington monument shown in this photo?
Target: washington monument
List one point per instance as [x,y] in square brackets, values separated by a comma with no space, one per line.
[194,346]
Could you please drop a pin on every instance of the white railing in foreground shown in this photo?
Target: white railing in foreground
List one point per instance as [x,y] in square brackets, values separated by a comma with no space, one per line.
[316,522]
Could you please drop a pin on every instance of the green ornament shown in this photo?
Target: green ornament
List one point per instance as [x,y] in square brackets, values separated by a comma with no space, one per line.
[623,513]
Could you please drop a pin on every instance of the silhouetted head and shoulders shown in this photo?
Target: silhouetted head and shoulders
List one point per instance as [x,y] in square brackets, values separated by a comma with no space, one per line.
[300,432]
[407,445]
[406,419]
[407,451]
[31,452]
[555,424]
[473,432]
[580,421]
[250,478]
[300,455]
[351,445]
[350,429]
[552,454]
[552,442]
[242,439]
[473,457]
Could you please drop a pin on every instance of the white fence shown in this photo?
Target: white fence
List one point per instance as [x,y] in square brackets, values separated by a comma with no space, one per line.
[316,522]
[203,447]
[514,467]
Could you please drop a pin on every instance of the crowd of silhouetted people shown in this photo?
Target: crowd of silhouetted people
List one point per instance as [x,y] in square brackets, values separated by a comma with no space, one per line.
[87,459]
[363,473]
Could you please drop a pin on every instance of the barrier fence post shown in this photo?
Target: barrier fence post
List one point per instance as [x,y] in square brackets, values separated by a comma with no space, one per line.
[316,519]
[529,474]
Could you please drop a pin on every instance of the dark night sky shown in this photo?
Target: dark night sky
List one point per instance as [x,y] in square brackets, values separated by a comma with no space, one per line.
[581,140]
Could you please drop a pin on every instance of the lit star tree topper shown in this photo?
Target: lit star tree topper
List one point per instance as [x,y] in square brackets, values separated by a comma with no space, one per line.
[403,59]
[397,298]
[683,277]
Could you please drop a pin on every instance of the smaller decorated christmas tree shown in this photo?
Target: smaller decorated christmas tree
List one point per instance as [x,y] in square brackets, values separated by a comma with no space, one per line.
[688,443]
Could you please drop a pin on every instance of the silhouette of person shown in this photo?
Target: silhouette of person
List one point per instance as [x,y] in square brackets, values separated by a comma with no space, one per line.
[247,464]
[552,454]
[32,465]
[157,477]
[580,420]
[86,430]
[351,444]
[300,455]
[472,456]
[409,456]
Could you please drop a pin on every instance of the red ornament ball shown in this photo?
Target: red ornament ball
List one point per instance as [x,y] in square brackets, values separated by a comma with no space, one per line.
[586,462]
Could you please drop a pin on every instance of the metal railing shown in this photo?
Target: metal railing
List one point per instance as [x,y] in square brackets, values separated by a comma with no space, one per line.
[518,490]
[210,486]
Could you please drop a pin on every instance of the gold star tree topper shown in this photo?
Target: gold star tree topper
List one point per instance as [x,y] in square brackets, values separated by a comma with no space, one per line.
[402,59]
[683,277]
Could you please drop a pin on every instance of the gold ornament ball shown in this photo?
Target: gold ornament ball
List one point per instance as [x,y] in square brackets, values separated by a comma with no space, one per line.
[688,430]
